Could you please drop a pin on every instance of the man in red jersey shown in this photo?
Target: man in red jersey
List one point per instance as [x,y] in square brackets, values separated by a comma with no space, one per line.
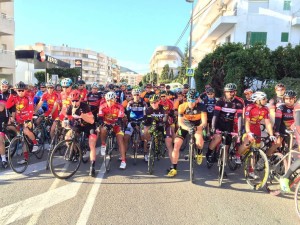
[82,90]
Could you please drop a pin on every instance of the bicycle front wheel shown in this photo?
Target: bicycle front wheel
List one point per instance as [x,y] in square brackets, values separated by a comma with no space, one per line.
[151,157]
[135,142]
[40,137]
[231,156]
[84,146]
[66,165]
[108,153]
[192,156]
[256,169]
[221,164]
[16,151]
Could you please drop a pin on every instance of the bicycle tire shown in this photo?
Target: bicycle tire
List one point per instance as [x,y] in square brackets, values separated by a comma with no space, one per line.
[231,157]
[39,132]
[135,142]
[53,143]
[84,146]
[108,153]
[151,157]
[16,154]
[273,185]
[221,164]
[297,199]
[192,155]
[263,173]
[71,159]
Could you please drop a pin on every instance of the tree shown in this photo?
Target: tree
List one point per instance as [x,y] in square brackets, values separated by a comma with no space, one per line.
[40,76]
[165,73]
[141,83]
[171,76]
[72,73]
[181,78]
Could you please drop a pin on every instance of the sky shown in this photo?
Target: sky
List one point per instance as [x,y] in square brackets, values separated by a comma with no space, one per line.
[128,30]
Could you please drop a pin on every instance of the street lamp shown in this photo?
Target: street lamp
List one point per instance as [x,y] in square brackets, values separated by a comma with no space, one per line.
[191,79]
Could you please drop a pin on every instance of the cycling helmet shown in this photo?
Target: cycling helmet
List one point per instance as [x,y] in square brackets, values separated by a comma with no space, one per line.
[110,95]
[4,82]
[42,84]
[186,86]
[168,87]
[154,98]
[230,87]
[163,93]
[123,84]
[95,85]
[248,90]
[192,94]
[210,90]
[20,85]
[136,91]
[49,84]
[148,86]
[290,94]
[101,87]
[111,86]
[66,82]
[259,95]
[129,89]
[179,93]
[75,95]
[207,86]
[80,82]
[279,85]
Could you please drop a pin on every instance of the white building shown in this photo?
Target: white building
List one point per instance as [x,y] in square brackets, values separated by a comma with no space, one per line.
[131,78]
[96,67]
[164,55]
[7,40]
[273,22]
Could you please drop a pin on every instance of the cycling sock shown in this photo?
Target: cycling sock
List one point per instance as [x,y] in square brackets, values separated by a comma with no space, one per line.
[34,142]
[199,151]
[175,166]
[3,157]
[93,164]
[209,151]
[103,143]
[26,155]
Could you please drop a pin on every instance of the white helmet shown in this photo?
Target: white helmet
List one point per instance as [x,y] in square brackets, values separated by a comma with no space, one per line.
[95,85]
[259,95]
[110,95]
[136,91]
[4,82]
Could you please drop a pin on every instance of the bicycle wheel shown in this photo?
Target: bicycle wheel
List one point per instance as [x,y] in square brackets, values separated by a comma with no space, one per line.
[84,146]
[231,157]
[40,137]
[16,151]
[221,164]
[256,169]
[273,185]
[297,199]
[66,165]
[53,143]
[192,156]
[151,157]
[135,147]
[108,153]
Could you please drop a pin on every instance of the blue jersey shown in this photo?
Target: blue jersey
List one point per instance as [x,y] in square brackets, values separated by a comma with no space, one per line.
[37,98]
[136,110]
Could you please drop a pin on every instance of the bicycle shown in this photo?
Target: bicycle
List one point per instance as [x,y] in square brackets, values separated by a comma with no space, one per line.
[135,139]
[297,199]
[156,148]
[67,156]
[9,135]
[109,146]
[192,156]
[279,163]
[20,144]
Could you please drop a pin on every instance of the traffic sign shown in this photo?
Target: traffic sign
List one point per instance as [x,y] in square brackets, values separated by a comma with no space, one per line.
[189,72]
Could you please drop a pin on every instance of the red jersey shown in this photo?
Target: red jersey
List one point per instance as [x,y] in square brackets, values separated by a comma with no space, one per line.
[167,105]
[254,115]
[111,114]
[24,107]
[65,103]
[51,99]
[30,93]
[83,94]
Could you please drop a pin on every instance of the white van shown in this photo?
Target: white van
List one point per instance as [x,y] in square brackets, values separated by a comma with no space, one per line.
[175,86]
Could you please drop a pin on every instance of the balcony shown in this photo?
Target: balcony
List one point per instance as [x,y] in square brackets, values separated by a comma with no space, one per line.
[7,59]
[7,25]
[296,21]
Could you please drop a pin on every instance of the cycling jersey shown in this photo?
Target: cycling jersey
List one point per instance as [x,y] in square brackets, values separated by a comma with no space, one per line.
[167,105]
[177,103]
[37,98]
[247,102]
[158,114]
[136,110]
[4,115]
[284,118]
[83,94]
[203,95]
[171,95]
[30,93]
[111,114]
[51,99]
[93,100]
[65,103]
[24,107]
[276,102]
[210,106]
[192,117]
[146,96]
[254,114]
[121,96]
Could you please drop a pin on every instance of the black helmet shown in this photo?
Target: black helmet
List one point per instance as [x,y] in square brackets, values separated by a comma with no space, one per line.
[162,93]
[230,87]
[43,84]
[279,85]
[20,85]
[210,90]
[154,98]
[186,86]
[290,94]
[192,94]
[80,82]
[111,86]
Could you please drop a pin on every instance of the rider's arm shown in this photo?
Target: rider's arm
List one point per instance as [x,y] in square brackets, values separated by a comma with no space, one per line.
[182,124]
[10,101]
[217,110]
[297,120]
[38,106]
[203,120]
[278,119]
[54,108]
[269,126]
[240,120]
[247,125]
[88,117]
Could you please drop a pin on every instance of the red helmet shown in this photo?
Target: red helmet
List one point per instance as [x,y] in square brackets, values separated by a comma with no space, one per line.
[75,95]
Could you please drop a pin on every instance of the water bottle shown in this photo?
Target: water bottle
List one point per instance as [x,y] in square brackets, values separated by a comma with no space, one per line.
[204,132]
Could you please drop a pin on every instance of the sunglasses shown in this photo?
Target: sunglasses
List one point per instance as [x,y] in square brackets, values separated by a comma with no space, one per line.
[20,90]
[231,92]
[136,95]
[42,87]
[191,100]
[75,100]
[128,96]
[154,102]
[280,89]
[64,87]
[163,96]
[210,93]
[50,87]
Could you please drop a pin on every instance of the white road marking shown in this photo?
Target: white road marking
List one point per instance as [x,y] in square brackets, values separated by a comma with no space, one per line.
[22,209]
[89,203]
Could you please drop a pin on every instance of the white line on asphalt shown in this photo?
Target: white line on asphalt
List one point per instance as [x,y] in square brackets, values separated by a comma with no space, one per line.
[22,209]
[89,203]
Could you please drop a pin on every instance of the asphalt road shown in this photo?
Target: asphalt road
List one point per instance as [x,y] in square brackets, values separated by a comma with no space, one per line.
[134,197]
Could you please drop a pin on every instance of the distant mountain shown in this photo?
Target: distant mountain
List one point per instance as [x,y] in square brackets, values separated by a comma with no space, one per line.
[125,70]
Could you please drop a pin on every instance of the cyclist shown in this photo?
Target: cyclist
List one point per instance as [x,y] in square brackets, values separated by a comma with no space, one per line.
[23,115]
[170,94]
[58,88]
[277,100]
[185,90]
[204,94]
[121,94]
[82,89]
[225,109]
[209,102]
[128,98]
[192,118]
[136,110]
[94,98]
[146,95]
[111,113]
[248,93]
[254,113]
[284,118]
[39,95]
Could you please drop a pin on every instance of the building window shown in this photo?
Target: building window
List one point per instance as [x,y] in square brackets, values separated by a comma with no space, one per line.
[227,39]
[287,5]
[284,37]
[256,37]
[255,5]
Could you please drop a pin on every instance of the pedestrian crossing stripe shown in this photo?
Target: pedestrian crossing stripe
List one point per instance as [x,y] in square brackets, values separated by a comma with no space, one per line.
[189,72]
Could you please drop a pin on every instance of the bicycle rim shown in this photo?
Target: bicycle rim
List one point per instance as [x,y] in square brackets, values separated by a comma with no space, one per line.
[16,151]
[297,199]
[221,165]
[41,140]
[108,154]
[66,165]
[231,158]
[257,163]
[151,158]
